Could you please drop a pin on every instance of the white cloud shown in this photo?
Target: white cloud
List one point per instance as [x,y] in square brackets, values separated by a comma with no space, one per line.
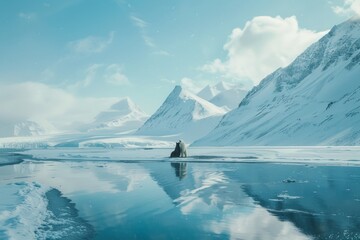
[32,100]
[349,8]
[169,81]
[27,16]
[263,45]
[142,25]
[191,85]
[139,22]
[92,44]
[90,76]
[114,75]
[161,53]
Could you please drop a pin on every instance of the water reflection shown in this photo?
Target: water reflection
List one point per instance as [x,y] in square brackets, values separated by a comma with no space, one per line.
[180,169]
[205,200]
[255,201]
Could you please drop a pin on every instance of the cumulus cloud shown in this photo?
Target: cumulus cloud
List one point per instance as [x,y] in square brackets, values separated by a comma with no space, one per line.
[348,8]
[260,47]
[92,44]
[32,100]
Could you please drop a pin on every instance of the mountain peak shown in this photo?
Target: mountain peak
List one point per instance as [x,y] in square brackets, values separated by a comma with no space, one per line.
[210,91]
[123,104]
[123,115]
[180,112]
[177,89]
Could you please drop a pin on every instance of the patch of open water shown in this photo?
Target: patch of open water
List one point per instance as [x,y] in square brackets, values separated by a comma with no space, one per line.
[183,200]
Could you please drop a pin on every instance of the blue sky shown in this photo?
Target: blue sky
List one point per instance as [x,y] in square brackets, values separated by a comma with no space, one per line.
[141,49]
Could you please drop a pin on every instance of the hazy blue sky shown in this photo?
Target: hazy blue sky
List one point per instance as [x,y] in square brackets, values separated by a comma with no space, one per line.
[141,49]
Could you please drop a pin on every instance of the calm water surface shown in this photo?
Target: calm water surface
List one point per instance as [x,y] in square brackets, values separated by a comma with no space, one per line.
[163,200]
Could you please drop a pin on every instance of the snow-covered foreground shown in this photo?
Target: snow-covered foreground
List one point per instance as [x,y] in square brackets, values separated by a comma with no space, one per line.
[217,193]
[316,155]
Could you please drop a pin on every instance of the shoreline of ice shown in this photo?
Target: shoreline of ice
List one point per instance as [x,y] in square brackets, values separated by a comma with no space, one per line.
[329,155]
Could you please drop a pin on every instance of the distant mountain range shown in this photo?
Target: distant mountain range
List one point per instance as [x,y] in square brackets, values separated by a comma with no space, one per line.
[313,101]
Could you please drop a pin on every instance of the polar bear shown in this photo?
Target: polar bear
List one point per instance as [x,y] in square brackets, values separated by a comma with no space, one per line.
[183,151]
[176,152]
[180,150]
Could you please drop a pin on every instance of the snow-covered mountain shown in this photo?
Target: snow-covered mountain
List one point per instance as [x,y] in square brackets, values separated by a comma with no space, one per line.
[230,98]
[124,115]
[313,101]
[31,128]
[224,94]
[183,114]
[210,91]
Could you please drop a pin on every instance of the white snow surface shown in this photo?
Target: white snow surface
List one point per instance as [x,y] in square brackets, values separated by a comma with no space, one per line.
[323,155]
[184,114]
[313,101]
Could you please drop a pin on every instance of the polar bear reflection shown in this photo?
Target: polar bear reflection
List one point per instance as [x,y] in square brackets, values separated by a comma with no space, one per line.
[180,169]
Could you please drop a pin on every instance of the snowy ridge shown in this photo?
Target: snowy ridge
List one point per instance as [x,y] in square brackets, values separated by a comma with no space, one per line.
[313,101]
[183,113]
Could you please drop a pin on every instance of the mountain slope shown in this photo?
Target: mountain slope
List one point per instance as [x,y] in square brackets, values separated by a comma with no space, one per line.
[230,98]
[32,128]
[124,115]
[223,94]
[210,91]
[184,114]
[313,101]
